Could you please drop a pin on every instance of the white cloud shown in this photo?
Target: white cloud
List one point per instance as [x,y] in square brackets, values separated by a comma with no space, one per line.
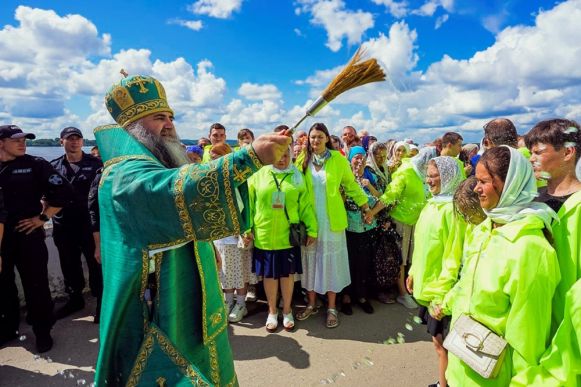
[441,20]
[495,22]
[221,9]
[530,73]
[339,22]
[194,25]
[298,32]
[253,91]
[430,7]
[397,9]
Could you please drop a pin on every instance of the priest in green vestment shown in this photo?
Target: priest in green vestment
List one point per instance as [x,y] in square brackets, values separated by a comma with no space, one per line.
[163,318]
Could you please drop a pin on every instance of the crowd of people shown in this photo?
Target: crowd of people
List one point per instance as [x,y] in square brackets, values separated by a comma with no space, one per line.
[489,231]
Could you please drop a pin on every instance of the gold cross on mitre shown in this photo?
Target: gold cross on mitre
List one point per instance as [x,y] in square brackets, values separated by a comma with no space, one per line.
[139,80]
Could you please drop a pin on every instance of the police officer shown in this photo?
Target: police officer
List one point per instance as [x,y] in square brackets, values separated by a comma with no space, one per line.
[72,231]
[25,181]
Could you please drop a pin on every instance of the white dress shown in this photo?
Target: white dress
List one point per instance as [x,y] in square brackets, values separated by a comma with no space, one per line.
[325,264]
[236,264]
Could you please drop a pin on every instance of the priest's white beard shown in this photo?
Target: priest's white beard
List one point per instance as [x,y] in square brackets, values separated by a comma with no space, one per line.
[168,150]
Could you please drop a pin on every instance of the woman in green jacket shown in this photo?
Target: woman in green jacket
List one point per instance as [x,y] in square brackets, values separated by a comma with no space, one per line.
[510,269]
[405,197]
[325,264]
[432,242]
[278,196]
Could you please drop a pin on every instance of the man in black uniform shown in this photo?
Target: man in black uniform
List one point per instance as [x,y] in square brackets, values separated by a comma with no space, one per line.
[25,181]
[72,231]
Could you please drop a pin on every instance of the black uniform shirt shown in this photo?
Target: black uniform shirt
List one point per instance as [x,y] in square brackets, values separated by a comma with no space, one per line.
[3,213]
[94,202]
[80,175]
[25,181]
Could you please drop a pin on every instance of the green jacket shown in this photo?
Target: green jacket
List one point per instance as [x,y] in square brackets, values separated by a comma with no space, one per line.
[339,175]
[270,225]
[406,194]
[508,281]
[568,246]
[452,262]
[433,241]
[158,220]
[561,363]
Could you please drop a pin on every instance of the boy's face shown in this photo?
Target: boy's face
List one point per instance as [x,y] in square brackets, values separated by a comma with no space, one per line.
[549,162]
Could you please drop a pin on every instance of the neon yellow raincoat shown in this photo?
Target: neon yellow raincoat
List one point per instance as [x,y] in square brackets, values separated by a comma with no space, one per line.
[508,281]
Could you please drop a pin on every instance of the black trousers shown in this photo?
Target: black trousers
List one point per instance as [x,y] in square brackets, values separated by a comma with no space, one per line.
[361,250]
[28,253]
[71,241]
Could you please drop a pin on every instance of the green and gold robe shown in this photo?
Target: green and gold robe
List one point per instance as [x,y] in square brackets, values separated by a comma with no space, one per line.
[156,222]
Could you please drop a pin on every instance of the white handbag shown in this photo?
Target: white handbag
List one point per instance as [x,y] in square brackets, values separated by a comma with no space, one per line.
[477,346]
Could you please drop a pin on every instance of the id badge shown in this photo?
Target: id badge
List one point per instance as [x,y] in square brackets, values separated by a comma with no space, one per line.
[278,200]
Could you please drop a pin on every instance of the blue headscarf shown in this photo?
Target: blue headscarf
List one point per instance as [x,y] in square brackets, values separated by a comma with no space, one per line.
[356,150]
[195,149]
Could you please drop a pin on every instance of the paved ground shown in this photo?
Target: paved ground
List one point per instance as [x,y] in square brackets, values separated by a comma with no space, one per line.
[352,354]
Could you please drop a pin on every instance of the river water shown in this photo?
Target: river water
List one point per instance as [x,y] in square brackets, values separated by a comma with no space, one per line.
[50,152]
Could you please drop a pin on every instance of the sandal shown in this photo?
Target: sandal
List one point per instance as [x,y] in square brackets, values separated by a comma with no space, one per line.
[307,312]
[288,322]
[272,322]
[332,318]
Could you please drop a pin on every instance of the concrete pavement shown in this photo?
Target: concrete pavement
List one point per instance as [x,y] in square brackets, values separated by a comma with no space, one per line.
[312,355]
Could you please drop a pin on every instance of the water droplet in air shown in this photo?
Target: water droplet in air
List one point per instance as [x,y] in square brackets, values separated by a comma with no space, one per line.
[22,338]
[409,327]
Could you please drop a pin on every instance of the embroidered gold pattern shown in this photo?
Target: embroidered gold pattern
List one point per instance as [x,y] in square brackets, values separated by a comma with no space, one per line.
[178,359]
[241,175]
[160,89]
[122,97]
[118,159]
[229,198]
[141,361]
[144,274]
[216,318]
[142,109]
[157,259]
[217,288]
[138,80]
[233,382]
[105,127]
[160,382]
[180,202]
[257,163]
[214,363]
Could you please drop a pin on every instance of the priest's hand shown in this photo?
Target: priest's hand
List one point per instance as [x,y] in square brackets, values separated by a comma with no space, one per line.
[270,147]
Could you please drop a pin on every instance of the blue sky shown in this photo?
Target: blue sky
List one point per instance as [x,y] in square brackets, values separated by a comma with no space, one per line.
[451,64]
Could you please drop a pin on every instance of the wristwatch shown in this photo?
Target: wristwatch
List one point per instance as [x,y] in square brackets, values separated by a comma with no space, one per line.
[43,217]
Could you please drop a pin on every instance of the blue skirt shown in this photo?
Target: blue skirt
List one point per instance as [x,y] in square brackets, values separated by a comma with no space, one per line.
[277,263]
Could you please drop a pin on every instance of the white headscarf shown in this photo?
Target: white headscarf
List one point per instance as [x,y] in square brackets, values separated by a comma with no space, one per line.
[297,178]
[371,162]
[450,178]
[420,161]
[397,146]
[520,189]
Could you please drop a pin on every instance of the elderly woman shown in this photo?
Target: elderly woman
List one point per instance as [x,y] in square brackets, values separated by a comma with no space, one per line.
[326,263]
[400,150]
[278,197]
[510,269]
[387,258]
[360,236]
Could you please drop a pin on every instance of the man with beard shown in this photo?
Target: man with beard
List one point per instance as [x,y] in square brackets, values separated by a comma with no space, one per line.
[163,320]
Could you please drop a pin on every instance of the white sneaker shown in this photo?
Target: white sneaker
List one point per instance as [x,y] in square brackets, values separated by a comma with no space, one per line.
[251,294]
[407,301]
[237,313]
[229,307]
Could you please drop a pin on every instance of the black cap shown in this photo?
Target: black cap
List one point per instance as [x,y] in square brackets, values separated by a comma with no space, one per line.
[69,131]
[13,131]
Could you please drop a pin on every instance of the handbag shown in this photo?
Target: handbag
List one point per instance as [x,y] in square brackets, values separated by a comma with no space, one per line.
[477,346]
[297,231]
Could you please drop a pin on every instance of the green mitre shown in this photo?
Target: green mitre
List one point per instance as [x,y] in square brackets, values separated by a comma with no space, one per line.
[135,97]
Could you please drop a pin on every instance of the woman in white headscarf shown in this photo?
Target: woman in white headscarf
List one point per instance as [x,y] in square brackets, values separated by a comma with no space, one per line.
[432,241]
[387,261]
[510,269]
[400,150]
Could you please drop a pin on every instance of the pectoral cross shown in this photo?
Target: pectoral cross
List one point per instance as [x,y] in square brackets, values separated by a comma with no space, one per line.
[161,382]
[241,175]
[137,80]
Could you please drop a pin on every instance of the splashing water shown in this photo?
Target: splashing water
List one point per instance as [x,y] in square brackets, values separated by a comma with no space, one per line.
[570,130]
[570,144]
[545,175]
[417,320]
[81,382]
[409,327]
[22,338]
